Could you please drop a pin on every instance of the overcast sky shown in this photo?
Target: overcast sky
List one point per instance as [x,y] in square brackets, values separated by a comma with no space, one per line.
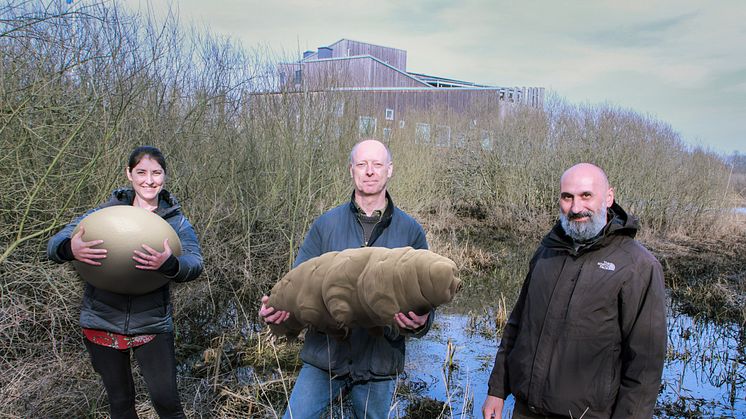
[681,61]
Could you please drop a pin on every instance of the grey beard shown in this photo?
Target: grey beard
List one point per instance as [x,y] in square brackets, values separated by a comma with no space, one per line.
[584,231]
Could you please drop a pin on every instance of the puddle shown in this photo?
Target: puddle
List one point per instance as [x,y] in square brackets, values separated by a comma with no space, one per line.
[705,369]
[473,357]
[704,374]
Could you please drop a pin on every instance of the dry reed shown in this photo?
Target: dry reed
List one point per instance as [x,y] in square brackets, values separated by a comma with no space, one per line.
[81,85]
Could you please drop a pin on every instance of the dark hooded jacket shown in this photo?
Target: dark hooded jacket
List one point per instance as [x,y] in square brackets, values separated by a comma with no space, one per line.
[363,355]
[135,314]
[587,336]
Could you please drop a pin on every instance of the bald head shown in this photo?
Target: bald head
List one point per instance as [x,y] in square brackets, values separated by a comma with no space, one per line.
[590,172]
[369,147]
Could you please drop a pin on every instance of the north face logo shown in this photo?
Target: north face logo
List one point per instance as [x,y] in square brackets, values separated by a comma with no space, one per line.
[606,266]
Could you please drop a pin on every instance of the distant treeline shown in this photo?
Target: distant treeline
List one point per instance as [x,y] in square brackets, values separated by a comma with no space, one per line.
[83,84]
[737,161]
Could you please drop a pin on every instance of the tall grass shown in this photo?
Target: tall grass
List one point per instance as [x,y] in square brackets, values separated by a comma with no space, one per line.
[82,85]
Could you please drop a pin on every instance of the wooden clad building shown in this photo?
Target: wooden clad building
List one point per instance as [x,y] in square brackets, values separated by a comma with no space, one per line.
[341,72]
[376,79]
[394,57]
[348,64]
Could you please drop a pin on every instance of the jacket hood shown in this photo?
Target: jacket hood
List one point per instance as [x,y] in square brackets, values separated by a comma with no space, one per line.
[620,224]
[168,206]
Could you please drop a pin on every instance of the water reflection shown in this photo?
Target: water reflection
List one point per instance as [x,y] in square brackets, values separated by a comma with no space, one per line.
[464,385]
[704,374]
[705,369]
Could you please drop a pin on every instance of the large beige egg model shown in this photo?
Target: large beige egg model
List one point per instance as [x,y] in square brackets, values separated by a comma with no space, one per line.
[124,229]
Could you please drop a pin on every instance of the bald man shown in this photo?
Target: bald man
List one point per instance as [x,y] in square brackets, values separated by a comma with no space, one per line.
[587,336]
[365,364]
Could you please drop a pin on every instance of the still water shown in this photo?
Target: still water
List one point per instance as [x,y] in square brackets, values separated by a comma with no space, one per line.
[704,374]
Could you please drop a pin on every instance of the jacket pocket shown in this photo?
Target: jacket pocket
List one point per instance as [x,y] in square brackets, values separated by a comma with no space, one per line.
[613,378]
[583,373]
[325,352]
[519,367]
[103,310]
[386,357]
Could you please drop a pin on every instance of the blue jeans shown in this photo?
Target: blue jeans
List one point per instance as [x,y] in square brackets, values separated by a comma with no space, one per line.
[315,389]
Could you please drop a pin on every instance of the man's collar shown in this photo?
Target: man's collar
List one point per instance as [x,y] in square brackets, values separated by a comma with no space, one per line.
[388,211]
[376,213]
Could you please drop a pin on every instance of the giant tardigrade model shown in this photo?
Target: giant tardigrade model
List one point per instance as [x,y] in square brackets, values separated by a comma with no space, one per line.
[362,287]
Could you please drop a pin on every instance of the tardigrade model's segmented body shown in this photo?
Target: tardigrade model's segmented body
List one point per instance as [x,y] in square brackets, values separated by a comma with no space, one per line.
[362,287]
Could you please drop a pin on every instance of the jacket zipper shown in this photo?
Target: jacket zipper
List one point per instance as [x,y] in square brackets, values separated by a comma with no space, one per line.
[574,281]
[365,243]
[362,231]
[127,317]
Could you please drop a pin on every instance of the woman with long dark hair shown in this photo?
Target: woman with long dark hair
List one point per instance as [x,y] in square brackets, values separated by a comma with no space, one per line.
[118,325]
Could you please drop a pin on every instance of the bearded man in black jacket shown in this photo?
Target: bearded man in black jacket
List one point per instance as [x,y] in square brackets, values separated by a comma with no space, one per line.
[587,336]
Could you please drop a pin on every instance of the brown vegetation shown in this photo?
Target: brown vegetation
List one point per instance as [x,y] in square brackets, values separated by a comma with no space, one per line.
[707,273]
[81,86]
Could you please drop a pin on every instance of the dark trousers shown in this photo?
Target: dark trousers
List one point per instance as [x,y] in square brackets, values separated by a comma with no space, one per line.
[158,367]
[521,411]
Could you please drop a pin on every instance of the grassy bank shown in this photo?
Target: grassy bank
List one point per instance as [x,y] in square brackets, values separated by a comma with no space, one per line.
[81,86]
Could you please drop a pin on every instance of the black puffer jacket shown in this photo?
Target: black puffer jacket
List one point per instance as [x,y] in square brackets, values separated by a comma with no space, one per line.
[141,314]
[587,336]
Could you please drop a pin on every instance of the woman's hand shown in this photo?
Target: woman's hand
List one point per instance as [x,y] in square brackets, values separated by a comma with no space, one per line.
[84,251]
[153,259]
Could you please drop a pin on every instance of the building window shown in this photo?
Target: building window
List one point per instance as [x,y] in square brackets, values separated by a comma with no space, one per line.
[486,140]
[402,124]
[459,140]
[339,108]
[283,77]
[298,76]
[389,114]
[366,126]
[442,136]
[387,134]
[337,130]
[422,133]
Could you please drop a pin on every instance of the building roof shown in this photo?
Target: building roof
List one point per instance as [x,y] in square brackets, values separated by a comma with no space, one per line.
[425,79]
[367,56]
[437,81]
